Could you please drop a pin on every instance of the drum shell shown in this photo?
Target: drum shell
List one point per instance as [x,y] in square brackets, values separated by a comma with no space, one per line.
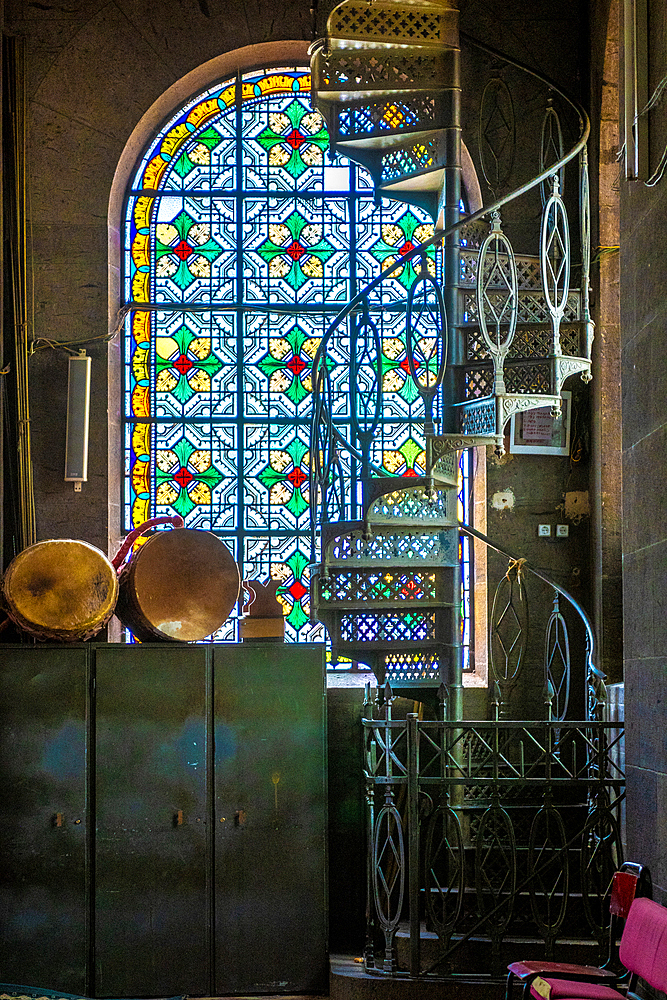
[60,590]
[184,580]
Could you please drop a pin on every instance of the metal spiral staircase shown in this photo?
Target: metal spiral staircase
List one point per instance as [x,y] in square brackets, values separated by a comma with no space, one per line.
[499,335]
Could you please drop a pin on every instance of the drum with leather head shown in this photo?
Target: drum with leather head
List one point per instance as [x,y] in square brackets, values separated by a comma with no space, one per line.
[61,590]
[179,585]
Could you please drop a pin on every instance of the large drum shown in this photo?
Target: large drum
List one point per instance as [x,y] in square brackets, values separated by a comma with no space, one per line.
[180,585]
[60,590]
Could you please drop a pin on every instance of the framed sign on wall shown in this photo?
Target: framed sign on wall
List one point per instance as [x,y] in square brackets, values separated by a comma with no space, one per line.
[538,432]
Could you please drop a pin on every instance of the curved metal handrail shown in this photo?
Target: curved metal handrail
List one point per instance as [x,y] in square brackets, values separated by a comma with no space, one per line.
[322,415]
[441,234]
[360,300]
[595,676]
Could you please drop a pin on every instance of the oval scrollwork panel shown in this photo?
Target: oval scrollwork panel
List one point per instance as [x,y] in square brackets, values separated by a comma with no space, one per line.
[444,867]
[497,133]
[548,863]
[495,868]
[388,867]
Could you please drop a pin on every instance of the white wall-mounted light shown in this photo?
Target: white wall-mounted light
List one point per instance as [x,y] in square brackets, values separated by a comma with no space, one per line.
[78,419]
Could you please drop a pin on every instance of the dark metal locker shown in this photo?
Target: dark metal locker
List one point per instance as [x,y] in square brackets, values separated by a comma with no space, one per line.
[270,808]
[43,744]
[152,886]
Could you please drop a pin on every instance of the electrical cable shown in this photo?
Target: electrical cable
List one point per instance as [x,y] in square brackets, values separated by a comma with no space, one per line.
[18,241]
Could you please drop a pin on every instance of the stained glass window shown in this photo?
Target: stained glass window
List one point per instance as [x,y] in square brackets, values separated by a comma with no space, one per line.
[464,500]
[242,240]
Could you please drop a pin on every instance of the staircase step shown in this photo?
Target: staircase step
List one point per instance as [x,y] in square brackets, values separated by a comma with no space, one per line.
[533,307]
[372,120]
[527,266]
[423,190]
[415,23]
[532,341]
[349,546]
[348,981]
[440,447]
[398,157]
[476,952]
[402,586]
[488,415]
[346,75]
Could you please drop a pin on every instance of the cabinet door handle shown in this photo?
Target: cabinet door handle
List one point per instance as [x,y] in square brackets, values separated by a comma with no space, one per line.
[58,819]
[178,818]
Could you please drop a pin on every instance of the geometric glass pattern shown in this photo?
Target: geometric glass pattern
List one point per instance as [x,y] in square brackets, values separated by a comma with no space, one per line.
[242,239]
[465,514]
[372,585]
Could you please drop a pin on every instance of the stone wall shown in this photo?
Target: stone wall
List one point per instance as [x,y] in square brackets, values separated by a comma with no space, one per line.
[94,70]
[644,384]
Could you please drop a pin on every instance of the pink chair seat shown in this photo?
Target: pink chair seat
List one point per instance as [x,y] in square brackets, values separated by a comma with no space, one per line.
[623,890]
[644,943]
[524,969]
[554,989]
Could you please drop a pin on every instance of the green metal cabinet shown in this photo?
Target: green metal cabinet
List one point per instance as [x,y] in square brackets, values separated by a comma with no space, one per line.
[270,808]
[44,816]
[151,860]
[164,824]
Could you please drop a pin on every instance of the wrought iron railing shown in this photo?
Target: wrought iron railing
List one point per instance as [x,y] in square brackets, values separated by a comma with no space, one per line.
[492,828]
[486,336]
[495,830]
[507,646]
[499,311]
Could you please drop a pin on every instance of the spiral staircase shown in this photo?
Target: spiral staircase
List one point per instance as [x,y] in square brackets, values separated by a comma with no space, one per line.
[499,336]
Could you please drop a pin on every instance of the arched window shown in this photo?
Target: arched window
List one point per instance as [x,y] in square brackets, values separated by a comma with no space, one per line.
[242,240]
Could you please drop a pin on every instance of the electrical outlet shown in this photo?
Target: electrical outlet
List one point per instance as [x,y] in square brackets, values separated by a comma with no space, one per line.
[562,530]
[544,530]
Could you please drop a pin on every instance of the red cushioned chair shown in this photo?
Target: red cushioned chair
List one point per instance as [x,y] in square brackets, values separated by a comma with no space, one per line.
[629,881]
[643,952]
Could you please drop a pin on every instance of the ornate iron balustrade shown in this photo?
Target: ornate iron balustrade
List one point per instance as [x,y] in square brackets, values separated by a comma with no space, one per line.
[486,829]
[508,646]
[497,336]
[520,311]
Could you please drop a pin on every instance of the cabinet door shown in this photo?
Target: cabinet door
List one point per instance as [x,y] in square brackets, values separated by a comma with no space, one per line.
[151,874]
[43,931]
[270,891]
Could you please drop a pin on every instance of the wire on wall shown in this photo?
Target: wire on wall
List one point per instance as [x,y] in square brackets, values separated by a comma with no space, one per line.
[653,101]
[20,280]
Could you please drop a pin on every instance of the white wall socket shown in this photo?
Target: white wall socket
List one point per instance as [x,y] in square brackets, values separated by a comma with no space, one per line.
[543,530]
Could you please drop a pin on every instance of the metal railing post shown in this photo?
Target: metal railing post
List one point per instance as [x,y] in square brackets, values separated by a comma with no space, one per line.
[452,215]
[369,945]
[413,842]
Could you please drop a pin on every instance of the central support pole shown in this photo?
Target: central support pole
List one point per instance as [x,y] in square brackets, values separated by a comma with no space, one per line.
[452,389]
[451,213]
